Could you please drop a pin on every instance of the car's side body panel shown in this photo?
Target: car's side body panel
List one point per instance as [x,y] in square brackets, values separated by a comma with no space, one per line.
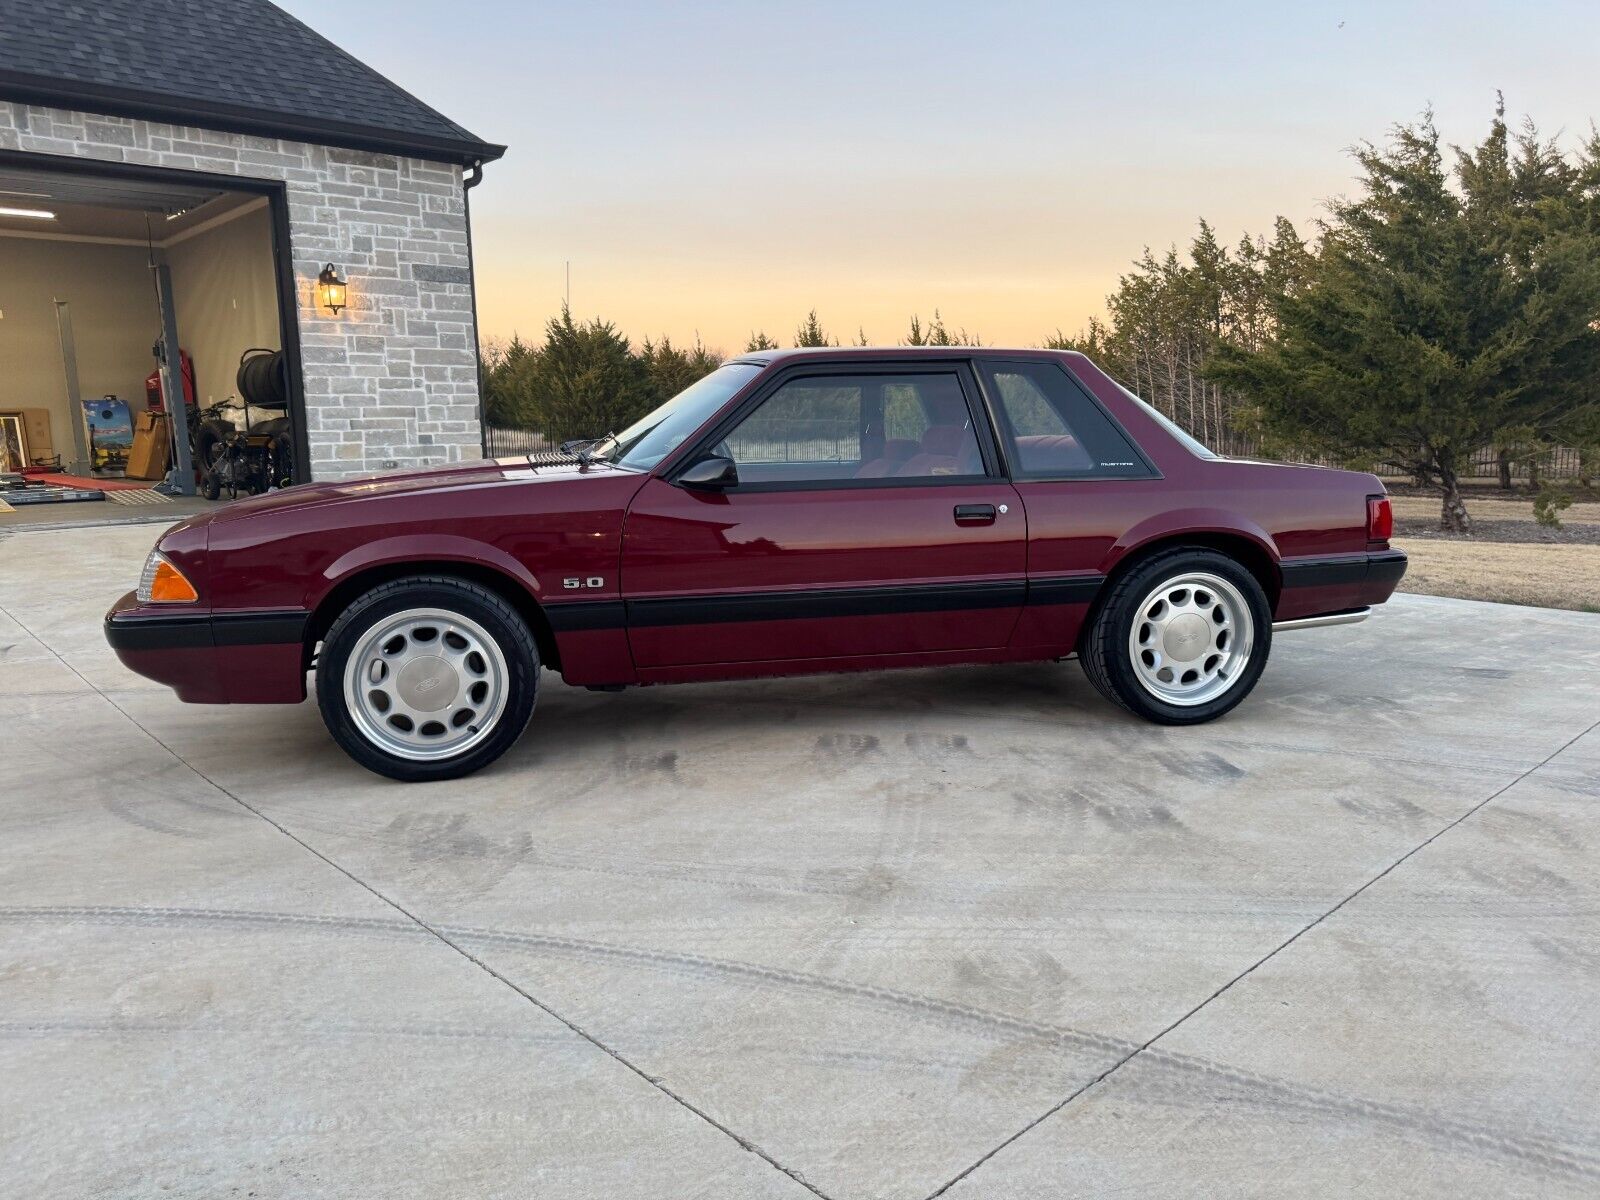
[259,560]
[639,579]
[729,577]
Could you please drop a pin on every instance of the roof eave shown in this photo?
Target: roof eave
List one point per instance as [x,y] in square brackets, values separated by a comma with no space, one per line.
[125,102]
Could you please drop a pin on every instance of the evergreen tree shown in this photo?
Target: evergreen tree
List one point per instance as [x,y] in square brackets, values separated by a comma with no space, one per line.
[810,333]
[670,369]
[760,341]
[703,361]
[1092,341]
[935,334]
[1443,307]
[507,384]
[588,381]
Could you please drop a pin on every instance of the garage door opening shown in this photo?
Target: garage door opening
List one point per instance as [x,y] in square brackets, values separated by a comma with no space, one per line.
[99,276]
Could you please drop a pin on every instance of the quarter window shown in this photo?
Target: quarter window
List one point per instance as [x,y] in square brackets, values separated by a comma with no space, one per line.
[858,427]
[1053,430]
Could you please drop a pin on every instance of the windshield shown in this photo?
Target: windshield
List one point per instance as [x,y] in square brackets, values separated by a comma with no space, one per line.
[1190,443]
[651,438]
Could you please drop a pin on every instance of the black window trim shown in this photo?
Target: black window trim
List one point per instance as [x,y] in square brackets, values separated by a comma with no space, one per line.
[1005,435]
[959,366]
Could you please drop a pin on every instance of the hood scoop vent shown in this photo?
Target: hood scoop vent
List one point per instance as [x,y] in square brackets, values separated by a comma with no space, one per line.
[551,457]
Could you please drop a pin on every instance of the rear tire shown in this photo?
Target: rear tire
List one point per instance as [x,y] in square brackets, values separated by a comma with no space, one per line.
[1181,638]
[429,677]
[210,442]
[282,460]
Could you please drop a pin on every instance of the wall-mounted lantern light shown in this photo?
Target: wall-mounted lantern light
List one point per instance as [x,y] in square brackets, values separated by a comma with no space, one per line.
[331,289]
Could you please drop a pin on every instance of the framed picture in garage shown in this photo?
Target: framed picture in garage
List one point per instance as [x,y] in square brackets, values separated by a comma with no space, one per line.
[13,442]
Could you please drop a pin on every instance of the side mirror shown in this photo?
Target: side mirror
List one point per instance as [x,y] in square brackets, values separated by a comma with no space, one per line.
[712,473]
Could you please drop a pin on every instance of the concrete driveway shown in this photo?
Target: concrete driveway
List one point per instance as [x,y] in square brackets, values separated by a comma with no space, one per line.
[967,932]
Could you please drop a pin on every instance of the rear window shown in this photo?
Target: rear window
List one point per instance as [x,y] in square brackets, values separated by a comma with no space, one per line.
[1190,443]
[1054,430]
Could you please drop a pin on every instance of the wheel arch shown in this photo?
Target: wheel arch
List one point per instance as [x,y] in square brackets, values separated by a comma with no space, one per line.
[362,579]
[1252,550]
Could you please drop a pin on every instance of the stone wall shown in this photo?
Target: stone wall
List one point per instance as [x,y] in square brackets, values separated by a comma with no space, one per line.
[392,380]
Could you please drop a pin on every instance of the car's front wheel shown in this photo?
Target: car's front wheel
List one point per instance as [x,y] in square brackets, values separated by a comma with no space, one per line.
[1181,638]
[427,678]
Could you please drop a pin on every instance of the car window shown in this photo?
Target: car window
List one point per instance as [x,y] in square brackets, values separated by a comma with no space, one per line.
[1053,430]
[654,436]
[858,427]
[1186,439]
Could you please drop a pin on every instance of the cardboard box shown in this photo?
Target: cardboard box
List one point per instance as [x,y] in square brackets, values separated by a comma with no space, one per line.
[36,424]
[151,449]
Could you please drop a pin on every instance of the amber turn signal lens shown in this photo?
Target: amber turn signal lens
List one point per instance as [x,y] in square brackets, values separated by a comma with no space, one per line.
[169,586]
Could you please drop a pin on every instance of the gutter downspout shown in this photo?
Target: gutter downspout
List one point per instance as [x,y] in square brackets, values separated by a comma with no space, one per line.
[468,182]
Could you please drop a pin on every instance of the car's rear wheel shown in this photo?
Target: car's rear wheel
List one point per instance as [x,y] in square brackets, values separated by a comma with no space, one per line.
[1182,637]
[427,678]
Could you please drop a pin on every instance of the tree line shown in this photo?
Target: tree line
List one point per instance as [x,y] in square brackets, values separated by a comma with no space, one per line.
[587,377]
[1450,304]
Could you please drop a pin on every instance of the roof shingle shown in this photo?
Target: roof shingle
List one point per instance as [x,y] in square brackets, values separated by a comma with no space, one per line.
[243,65]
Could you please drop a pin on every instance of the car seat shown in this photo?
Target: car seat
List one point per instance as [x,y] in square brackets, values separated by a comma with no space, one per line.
[945,450]
[895,452]
[1052,452]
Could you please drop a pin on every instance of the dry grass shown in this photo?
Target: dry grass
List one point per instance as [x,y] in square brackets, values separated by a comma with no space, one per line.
[1479,508]
[1551,576]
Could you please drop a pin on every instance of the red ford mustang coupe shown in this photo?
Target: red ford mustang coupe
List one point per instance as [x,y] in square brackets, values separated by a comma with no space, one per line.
[794,511]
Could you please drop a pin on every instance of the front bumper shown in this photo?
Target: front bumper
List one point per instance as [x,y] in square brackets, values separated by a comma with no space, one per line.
[232,657]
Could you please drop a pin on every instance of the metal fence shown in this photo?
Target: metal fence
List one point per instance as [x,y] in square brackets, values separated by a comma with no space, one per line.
[796,439]
[1560,462]
[507,443]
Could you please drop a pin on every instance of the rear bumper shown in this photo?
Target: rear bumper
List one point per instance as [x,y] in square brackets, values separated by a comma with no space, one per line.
[1338,584]
[249,657]
[1354,617]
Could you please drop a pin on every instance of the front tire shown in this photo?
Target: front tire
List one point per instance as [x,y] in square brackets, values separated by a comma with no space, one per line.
[428,677]
[1181,638]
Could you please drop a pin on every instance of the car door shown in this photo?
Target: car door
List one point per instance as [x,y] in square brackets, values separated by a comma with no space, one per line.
[869,519]
[1083,482]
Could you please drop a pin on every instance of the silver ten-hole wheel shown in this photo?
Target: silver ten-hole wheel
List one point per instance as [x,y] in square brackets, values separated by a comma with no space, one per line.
[1180,638]
[1191,637]
[430,677]
[426,684]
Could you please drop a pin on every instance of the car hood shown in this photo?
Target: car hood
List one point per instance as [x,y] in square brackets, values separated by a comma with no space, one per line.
[480,473]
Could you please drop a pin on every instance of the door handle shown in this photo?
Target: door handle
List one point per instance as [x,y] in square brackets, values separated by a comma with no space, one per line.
[975,514]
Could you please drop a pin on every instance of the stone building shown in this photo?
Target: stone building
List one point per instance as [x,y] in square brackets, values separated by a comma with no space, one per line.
[232,156]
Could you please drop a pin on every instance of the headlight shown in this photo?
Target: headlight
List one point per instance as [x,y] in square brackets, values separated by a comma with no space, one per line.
[162,583]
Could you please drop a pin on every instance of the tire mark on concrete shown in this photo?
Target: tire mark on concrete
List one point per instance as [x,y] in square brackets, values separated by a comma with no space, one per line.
[125,809]
[1532,1149]
[342,1030]
[1190,1077]
[681,963]
[1182,1074]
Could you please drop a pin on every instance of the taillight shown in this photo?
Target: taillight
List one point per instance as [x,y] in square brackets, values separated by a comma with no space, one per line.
[1380,519]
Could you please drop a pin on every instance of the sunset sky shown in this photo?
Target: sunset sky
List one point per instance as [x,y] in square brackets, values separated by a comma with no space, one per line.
[719,168]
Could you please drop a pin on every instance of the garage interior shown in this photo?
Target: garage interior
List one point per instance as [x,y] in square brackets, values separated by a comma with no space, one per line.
[97,275]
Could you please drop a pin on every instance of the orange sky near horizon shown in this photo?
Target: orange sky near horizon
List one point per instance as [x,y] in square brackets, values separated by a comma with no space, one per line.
[1011,270]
